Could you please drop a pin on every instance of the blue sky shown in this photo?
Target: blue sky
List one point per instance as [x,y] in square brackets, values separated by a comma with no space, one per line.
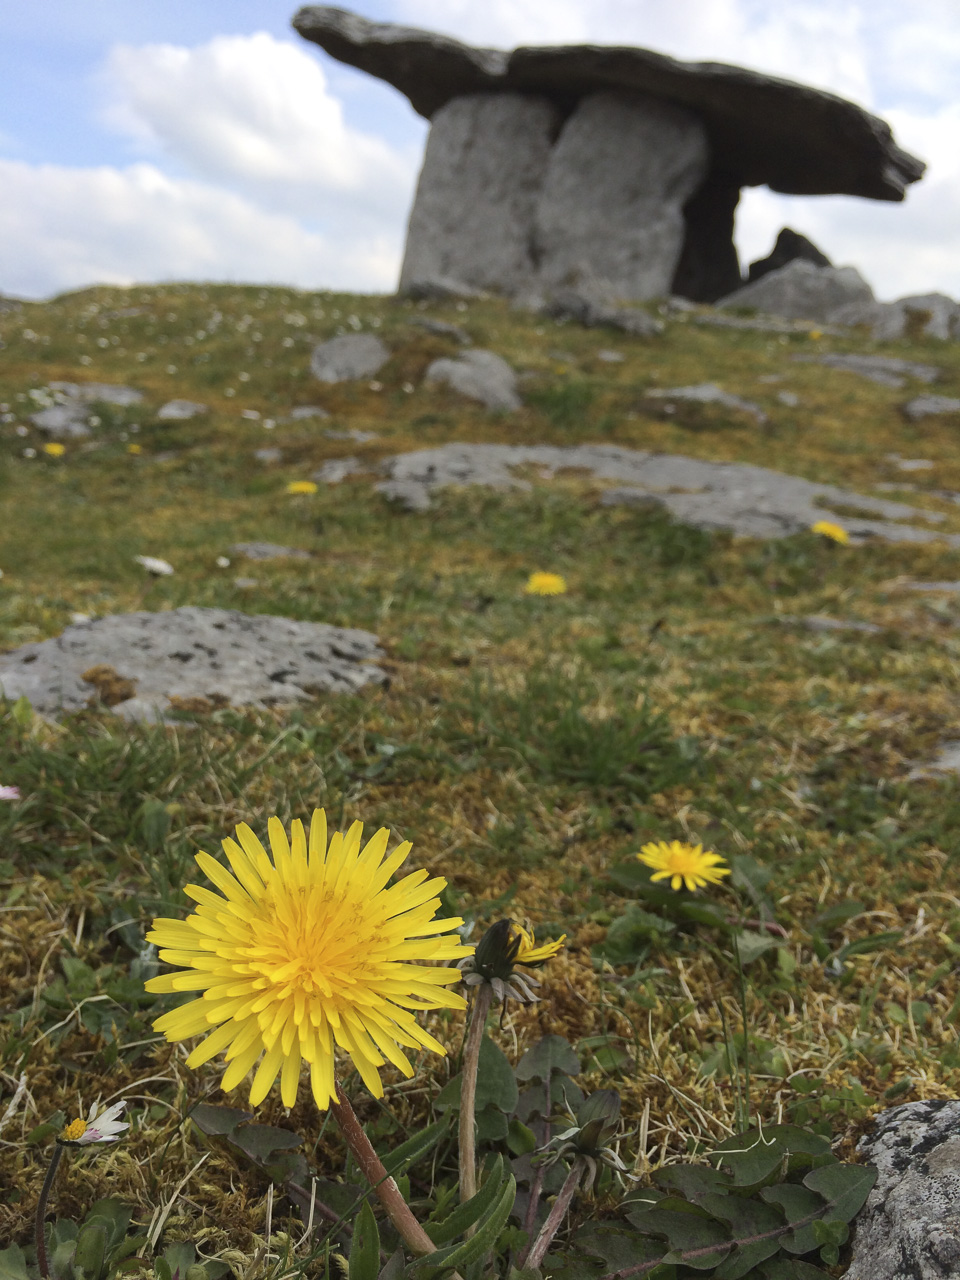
[145,140]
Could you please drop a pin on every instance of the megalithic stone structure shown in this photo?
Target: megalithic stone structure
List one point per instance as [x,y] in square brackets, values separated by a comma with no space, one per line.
[623,166]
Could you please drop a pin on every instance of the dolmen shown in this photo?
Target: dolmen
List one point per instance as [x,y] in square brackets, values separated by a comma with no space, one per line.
[546,166]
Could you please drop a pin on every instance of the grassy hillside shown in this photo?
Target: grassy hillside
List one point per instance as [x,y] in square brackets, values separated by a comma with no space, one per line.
[527,746]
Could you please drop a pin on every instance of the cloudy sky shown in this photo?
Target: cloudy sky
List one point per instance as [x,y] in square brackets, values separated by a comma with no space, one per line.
[170,139]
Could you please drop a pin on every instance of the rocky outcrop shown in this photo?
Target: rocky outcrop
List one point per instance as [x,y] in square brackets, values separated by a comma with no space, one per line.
[753,129]
[478,375]
[347,357]
[802,291]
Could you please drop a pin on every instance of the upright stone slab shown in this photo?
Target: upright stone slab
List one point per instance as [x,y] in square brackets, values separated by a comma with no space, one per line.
[473,216]
[612,202]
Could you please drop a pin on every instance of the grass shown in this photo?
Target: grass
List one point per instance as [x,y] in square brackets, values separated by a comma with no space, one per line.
[526,746]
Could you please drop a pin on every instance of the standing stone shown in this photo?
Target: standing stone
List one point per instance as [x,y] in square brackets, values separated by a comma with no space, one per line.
[473,215]
[612,202]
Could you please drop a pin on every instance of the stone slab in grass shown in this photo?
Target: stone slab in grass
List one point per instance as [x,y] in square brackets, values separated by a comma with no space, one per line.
[143,665]
[747,500]
[888,371]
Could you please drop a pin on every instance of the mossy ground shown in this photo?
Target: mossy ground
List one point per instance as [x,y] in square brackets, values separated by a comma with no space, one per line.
[505,744]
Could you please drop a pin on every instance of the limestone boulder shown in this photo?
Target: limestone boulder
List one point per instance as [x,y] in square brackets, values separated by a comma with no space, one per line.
[802,291]
[483,171]
[348,357]
[909,1228]
[139,665]
[932,315]
[478,375]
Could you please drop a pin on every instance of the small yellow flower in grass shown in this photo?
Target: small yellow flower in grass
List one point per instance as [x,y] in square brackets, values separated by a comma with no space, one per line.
[683,864]
[815,334]
[301,486]
[835,532]
[545,584]
[53,449]
[308,953]
[134,449]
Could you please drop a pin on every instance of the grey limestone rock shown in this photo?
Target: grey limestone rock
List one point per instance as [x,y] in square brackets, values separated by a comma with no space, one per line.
[268,551]
[473,215]
[63,421]
[409,494]
[921,407]
[909,1228]
[820,622]
[745,499]
[478,375]
[218,655]
[789,246]
[98,392]
[442,329]
[337,469]
[347,357]
[934,315]
[710,393]
[180,410]
[802,291]
[268,456]
[591,304]
[613,193]
[885,370]
[305,412]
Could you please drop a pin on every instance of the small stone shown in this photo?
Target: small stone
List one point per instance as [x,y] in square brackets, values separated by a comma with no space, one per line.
[610,357]
[929,406]
[710,393]
[352,433]
[245,584]
[180,410]
[266,551]
[268,456]
[442,329]
[479,375]
[789,399]
[820,622]
[409,494]
[152,564]
[887,371]
[348,357]
[338,469]
[305,411]
[252,415]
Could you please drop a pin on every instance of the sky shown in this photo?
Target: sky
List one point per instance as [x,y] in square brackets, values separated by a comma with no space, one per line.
[152,140]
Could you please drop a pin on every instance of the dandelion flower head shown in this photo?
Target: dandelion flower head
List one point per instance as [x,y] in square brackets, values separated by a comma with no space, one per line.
[301,486]
[683,864]
[835,532]
[53,449]
[105,1127]
[528,951]
[305,953]
[545,584]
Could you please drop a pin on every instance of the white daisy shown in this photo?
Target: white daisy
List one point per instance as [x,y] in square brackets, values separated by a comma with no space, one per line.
[105,1127]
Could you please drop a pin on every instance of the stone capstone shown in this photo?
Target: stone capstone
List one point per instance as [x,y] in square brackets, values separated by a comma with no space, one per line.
[801,291]
[478,375]
[790,245]
[754,130]
[347,357]
[141,665]
[744,499]
[909,1228]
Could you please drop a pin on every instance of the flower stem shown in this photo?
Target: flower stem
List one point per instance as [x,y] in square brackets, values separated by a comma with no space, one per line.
[42,1210]
[468,1091]
[388,1193]
[555,1216]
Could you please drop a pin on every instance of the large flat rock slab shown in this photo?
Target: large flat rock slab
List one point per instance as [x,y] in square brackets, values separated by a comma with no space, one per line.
[143,664]
[745,499]
[762,129]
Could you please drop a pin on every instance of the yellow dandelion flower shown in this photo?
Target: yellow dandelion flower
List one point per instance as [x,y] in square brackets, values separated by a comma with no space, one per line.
[815,334]
[305,954]
[301,486]
[134,449]
[835,532]
[53,449]
[545,584]
[683,864]
[528,952]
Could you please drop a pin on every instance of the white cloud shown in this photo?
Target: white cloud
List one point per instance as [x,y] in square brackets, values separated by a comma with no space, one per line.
[255,113]
[63,228]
